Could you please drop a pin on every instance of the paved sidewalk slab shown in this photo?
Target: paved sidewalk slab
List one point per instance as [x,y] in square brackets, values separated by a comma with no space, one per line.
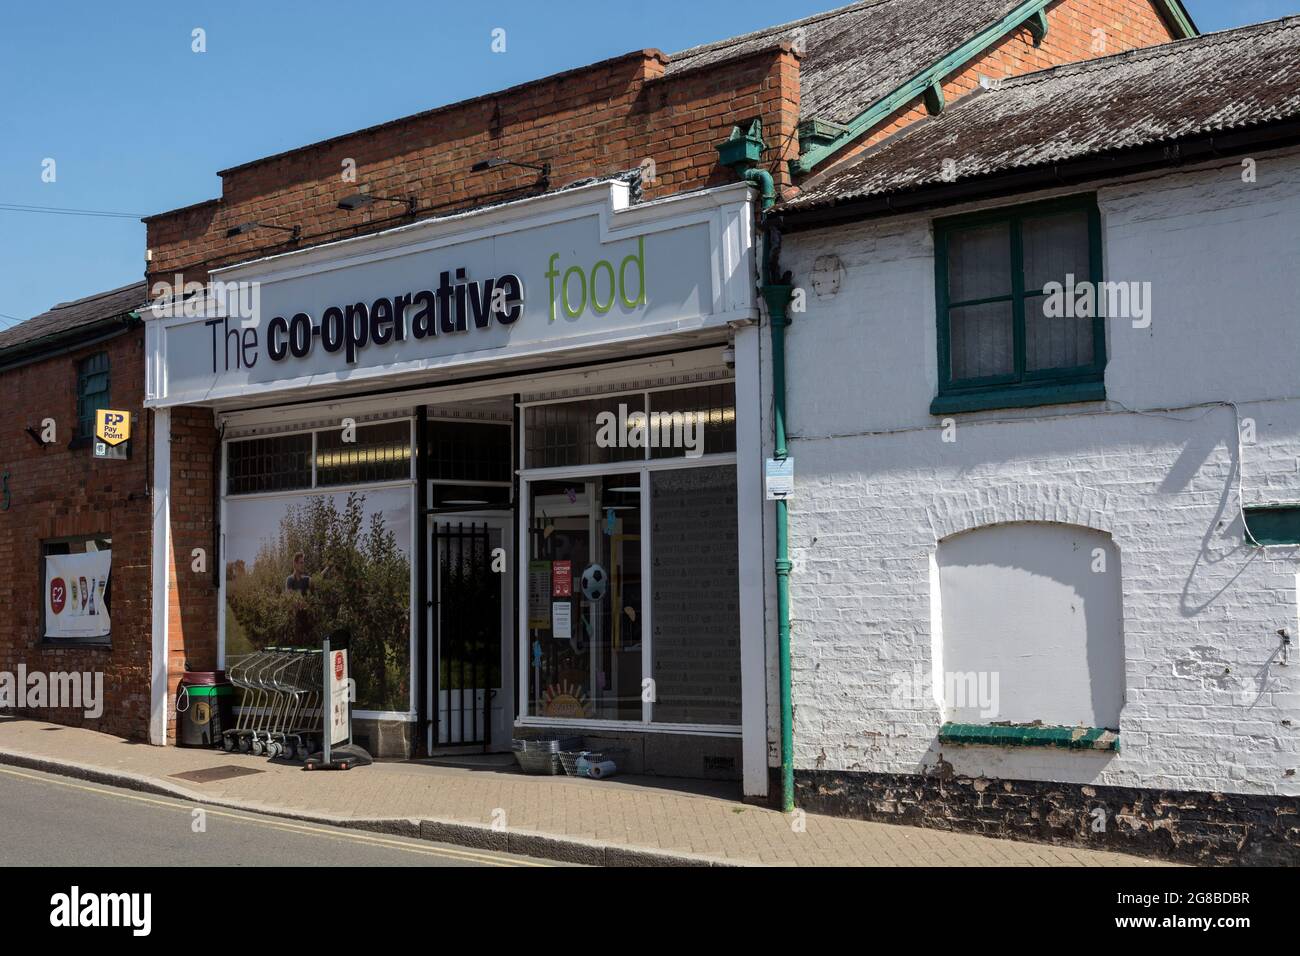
[627,821]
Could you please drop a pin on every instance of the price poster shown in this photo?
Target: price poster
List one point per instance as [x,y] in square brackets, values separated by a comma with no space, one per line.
[339,713]
[539,604]
[75,586]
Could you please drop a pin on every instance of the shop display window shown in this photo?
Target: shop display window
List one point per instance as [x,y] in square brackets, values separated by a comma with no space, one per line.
[695,600]
[585,598]
[274,463]
[569,434]
[632,603]
[378,453]
[693,421]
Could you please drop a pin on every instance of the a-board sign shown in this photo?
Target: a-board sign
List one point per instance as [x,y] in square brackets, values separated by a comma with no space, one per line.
[339,723]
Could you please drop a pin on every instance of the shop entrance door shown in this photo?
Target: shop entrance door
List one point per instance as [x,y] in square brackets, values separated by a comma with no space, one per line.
[469,610]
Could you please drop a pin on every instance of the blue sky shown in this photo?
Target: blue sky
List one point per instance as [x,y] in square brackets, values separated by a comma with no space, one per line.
[138,123]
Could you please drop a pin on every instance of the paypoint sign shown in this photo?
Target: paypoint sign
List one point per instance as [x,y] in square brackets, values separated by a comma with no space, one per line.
[574,270]
[112,427]
[112,433]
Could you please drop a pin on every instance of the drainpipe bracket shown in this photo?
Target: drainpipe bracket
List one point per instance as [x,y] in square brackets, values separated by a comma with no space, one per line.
[777,296]
[1037,24]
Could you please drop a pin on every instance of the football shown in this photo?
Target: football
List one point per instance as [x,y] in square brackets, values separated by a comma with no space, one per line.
[595,582]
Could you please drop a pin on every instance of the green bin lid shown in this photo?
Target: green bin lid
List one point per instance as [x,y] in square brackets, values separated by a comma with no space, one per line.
[210,690]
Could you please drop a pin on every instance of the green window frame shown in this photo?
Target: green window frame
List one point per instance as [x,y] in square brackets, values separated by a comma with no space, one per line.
[92,392]
[1020,386]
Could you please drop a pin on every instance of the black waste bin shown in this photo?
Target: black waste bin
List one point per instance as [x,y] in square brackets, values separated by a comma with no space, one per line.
[204,708]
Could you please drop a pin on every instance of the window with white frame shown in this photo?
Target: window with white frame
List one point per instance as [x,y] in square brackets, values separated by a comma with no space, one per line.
[317,530]
[632,587]
[361,454]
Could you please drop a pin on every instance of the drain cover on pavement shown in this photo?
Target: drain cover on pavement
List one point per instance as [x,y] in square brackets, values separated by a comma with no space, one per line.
[211,774]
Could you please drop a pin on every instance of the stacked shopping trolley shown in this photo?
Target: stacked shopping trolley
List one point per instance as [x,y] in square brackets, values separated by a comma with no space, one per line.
[280,708]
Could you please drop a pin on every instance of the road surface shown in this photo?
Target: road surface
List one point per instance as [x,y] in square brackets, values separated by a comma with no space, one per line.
[50,820]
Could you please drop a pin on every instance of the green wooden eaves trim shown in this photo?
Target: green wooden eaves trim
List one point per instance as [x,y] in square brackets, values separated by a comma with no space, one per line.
[1066,738]
[1175,16]
[934,99]
[918,84]
[1038,27]
[1032,14]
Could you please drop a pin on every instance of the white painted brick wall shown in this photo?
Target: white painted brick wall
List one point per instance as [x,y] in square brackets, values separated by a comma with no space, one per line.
[1208,705]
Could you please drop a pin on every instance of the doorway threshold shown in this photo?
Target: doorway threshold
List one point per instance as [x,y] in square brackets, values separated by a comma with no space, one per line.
[500,762]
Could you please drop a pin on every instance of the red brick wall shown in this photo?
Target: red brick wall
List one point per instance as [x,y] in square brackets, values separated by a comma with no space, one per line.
[59,491]
[684,117]
[596,121]
[1128,25]
[191,594]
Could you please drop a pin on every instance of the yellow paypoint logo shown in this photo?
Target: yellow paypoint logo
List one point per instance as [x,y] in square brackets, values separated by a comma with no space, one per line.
[112,428]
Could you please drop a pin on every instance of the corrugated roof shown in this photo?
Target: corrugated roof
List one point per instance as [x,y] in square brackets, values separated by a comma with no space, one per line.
[859,54]
[1215,83]
[69,316]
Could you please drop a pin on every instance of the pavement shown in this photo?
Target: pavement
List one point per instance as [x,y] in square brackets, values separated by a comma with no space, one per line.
[487,805]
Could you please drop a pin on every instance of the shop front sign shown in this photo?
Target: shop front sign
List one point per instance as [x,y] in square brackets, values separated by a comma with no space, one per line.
[564,272]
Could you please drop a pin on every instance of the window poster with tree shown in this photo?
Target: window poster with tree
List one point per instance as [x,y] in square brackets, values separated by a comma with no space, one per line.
[301,567]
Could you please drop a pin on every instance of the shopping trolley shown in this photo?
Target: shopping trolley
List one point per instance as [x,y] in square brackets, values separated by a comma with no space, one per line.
[281,690]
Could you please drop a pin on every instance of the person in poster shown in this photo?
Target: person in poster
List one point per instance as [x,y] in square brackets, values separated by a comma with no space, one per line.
[299,580]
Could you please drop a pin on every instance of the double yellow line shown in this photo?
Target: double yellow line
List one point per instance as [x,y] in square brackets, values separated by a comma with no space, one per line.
[288,826]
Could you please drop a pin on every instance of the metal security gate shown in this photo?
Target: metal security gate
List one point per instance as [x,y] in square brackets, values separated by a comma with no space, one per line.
[467,617]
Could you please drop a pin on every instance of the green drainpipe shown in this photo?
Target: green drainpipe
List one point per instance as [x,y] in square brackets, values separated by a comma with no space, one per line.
[778,297]
[741,153]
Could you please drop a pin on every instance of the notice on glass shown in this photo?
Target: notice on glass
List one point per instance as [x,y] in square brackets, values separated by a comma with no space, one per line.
[561,620]
[539,581]
[562,579]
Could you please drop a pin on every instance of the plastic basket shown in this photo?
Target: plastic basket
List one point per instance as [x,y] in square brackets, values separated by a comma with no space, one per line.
[541,755]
